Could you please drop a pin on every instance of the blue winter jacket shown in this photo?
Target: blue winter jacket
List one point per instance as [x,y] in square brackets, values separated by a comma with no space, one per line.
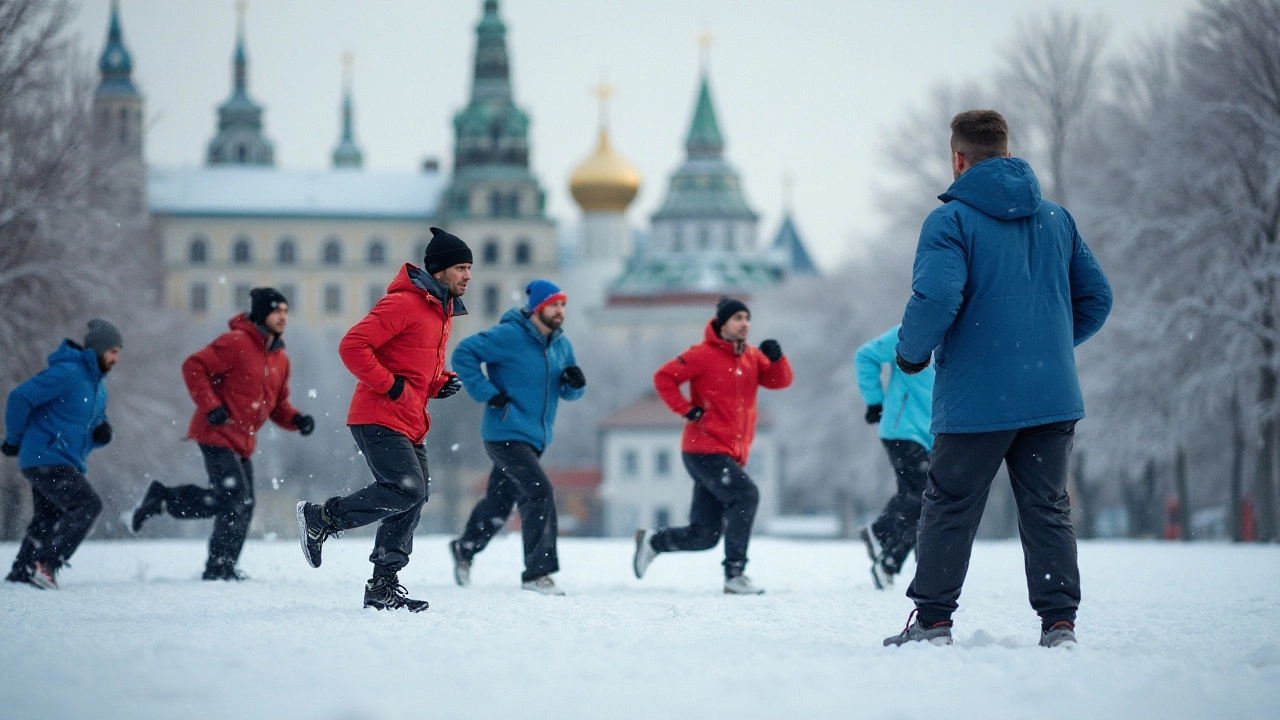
[526,365]
[908,403]
[51,417]
[1002,291]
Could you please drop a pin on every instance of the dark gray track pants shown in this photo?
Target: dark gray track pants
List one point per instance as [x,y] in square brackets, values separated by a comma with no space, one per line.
[64,508]
[724,501]
[516,480]
[395,498]
[228,499]
[962,469]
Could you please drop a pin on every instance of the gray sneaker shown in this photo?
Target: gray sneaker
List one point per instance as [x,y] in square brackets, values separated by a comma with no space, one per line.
[1062,634]
[461,565]
[542,585]
[741,585]
[644,552]
[937,634]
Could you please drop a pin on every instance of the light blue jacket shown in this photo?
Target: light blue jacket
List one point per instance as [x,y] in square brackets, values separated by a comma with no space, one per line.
[1003,290]
[526,365]
[908,403]
[51,417]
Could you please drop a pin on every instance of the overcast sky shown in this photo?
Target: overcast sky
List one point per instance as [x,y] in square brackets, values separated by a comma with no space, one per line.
[806,87]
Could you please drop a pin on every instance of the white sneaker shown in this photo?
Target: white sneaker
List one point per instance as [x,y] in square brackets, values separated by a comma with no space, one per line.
[542,585]
[461,565]
[644,552]
[741,585]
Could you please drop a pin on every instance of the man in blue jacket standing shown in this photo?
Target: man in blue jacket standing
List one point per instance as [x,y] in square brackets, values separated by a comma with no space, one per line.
[903,413]
[51,422]
[1003,289]
[530,367]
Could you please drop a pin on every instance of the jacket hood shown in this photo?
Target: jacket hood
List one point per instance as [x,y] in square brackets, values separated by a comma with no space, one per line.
[414,279]
[516,316]
[71,351]
[1004,188]
[711,335]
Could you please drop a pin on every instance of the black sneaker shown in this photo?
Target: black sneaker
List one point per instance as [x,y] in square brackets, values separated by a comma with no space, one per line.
[223,571]
[461,565]
[313,529]
[386,593]
[151,504]
[938,633]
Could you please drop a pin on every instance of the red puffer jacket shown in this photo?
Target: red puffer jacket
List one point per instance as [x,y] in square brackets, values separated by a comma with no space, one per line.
[246,372]
[722,383]
[403,335]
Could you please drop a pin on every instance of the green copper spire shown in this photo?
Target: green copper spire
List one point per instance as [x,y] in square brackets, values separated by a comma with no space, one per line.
[347,154]
[704,138]
[115,64]
[239,140]
[491,130]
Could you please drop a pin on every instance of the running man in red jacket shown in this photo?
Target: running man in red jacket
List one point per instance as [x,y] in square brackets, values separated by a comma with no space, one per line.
[723,373]
[397,353]
[237,381]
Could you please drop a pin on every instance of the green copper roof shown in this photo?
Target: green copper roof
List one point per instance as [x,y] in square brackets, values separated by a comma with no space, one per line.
[704,138]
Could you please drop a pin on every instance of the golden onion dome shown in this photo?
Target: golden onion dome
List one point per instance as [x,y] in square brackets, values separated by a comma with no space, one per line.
[604,182]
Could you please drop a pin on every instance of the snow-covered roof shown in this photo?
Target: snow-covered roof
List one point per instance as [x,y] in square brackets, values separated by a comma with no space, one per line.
[276,192]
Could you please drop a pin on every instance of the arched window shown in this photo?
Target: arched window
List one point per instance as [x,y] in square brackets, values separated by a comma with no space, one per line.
[332,252]
[491,252]
[198,250]
[242,153]
[242,251]
[524,253]
[286,251]
[492,300]
[377,252]
[504,204]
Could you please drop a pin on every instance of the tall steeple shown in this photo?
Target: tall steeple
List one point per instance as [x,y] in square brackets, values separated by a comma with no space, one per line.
[117,104]
[239,140]
[491,175]
[347,154]
[491,130]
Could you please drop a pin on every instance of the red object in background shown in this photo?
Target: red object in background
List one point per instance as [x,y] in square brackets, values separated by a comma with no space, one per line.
[1172,529]
[1248,521]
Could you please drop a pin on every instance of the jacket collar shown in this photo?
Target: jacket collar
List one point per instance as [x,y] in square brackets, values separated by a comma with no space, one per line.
[711,336]
[517,316]
[71,351]
[270,342]
[411,276]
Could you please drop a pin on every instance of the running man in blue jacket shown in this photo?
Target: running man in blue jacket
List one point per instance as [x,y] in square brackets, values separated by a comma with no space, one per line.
[1002,291]
[530,366]
[903,412]
[51,423]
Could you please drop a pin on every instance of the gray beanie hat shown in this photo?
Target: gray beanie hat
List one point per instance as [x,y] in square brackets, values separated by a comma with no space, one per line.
[102,336]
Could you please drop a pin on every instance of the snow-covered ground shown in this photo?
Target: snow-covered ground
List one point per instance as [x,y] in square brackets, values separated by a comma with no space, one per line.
[1166,631]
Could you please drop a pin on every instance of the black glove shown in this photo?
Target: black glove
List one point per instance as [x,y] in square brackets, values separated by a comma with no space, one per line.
[873,413]
[695,413]
[499,401]
[450,388]
[397,388]
[304,423]
[909,367]
[573,377]
[771,350]
[9,450]
[102,433]
[218,416]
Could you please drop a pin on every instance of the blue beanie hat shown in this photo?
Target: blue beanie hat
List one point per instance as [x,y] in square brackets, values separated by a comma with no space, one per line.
[542,293]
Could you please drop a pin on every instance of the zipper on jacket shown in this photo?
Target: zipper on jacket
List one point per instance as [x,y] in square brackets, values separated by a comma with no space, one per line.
[546,388]
[901,410]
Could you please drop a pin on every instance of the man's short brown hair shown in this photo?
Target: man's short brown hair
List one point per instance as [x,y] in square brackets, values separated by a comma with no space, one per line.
[980,135]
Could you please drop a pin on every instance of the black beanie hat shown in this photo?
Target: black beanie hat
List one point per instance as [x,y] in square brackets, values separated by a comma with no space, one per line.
[263,301]
[727,308]
[102,336]
[444,251]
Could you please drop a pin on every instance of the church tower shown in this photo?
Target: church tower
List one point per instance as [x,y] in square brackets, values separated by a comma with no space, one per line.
[117,104]
[347,154]
[604,186]
[702,241]
[239,140]
[493,200]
